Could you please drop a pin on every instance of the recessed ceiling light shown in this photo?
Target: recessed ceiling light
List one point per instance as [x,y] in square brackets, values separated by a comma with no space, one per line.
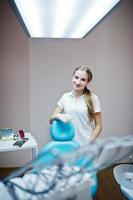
[62,18]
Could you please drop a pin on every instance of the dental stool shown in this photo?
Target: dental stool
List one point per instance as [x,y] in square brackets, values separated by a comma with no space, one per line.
[62,135]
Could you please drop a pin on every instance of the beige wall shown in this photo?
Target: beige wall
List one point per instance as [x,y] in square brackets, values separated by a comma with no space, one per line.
[47,66]
[14,78]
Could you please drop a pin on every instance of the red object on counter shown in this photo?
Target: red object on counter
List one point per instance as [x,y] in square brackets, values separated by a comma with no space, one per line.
[21,134]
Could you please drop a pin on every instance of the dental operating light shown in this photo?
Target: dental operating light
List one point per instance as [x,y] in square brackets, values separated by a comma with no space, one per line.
[61,18]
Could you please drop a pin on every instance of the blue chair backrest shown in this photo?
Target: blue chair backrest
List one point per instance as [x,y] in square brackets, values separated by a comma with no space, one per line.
[54,149]
[61,131]
[62,135]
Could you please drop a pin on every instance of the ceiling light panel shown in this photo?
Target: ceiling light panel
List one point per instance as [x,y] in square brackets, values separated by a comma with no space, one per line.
[62,18]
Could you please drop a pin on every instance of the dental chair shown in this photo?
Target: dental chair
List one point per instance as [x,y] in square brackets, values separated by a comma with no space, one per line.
[62,135]
[58,172]
[52,177]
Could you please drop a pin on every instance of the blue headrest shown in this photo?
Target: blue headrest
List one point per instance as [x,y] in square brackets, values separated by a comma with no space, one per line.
[61,131]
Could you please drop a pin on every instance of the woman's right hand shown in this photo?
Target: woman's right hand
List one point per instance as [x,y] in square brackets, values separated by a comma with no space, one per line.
[58,114]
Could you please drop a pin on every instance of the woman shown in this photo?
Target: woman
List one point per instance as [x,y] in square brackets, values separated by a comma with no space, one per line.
[82,107]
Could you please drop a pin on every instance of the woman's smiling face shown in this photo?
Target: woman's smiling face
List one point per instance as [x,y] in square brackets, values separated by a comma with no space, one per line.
[80,81]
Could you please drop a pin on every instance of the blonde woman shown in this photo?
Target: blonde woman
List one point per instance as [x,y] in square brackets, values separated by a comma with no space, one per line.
[82,107]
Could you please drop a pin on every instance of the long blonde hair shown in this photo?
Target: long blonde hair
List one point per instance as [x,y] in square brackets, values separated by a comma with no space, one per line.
[87,92]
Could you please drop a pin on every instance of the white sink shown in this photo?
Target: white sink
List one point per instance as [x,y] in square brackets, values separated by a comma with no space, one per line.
[123,174]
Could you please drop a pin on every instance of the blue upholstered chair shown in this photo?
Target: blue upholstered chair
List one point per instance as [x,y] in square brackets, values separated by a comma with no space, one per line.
[62,135]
